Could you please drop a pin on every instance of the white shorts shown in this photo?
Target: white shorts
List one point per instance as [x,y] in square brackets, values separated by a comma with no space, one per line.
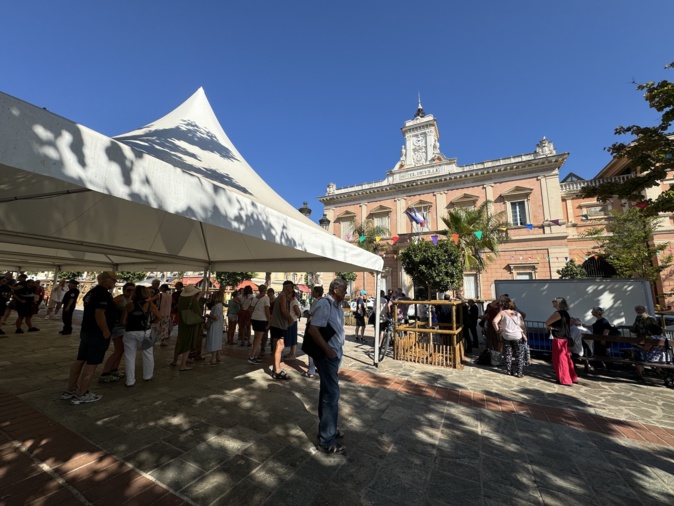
[54,304]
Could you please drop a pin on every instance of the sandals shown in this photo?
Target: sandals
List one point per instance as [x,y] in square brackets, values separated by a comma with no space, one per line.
[307,375]
[280,375]
[335,449]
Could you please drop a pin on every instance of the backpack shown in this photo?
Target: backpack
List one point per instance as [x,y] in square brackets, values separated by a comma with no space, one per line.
[510,328]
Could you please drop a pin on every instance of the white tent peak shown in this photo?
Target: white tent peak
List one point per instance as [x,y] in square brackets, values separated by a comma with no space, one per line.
[191,138]
[196,109]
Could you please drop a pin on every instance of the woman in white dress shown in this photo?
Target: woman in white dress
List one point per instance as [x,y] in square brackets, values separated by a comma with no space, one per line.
[214,336]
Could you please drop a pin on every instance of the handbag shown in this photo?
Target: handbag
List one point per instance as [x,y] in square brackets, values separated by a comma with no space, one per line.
[310,347]
[189,317]
[149,338]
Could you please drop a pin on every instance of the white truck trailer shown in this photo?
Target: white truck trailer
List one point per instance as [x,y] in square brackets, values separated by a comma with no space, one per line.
[616,296]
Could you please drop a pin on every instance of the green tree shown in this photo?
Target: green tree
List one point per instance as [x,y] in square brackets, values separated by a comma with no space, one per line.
[572,271]
[233,278]
[437,267]
[650,153]
[627,244]
[131,277]
[70,274]
[479,233]
[370,232]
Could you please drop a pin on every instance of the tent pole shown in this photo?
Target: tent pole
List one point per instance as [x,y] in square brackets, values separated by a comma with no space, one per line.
[377,317]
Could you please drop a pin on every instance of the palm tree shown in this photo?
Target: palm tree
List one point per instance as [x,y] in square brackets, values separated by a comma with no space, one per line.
[371,232]
[479,232]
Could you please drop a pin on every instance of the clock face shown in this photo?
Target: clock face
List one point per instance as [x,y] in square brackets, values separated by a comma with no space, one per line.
[419,140]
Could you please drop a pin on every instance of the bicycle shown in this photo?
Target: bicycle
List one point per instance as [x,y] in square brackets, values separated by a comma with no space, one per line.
[387,338]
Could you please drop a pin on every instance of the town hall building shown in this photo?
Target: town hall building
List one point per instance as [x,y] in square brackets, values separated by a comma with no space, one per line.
[546,217]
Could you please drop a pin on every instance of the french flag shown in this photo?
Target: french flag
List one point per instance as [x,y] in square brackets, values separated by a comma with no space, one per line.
[415,217]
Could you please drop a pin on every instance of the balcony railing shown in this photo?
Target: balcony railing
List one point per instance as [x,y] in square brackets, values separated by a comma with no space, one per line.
[577,185]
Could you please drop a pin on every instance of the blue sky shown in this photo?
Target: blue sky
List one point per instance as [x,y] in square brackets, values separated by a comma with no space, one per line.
[314,92]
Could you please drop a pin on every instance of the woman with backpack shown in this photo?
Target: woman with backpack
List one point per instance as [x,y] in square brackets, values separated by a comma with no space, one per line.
[559,325]
[510,326]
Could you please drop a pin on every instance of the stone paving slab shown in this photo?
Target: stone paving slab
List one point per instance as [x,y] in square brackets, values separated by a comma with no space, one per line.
[415,434]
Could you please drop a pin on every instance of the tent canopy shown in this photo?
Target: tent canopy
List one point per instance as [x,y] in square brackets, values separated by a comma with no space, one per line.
[173,195]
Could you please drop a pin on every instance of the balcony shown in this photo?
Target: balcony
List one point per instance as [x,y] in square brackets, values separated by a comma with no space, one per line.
[577,185]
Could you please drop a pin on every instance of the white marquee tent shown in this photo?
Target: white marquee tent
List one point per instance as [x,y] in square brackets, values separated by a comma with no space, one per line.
[173,195]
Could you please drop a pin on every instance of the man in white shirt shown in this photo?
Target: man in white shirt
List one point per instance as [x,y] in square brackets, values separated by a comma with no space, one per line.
[56,299]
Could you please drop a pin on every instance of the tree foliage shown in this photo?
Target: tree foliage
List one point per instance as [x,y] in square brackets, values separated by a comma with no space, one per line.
[70,274]
[465,223]
[232,279]
[650,153]
[571,271]
[349,277]
[627,244]
[437,267]
[371,231]
[131,277]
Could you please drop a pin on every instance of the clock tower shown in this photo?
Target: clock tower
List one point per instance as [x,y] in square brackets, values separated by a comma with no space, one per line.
[421,140]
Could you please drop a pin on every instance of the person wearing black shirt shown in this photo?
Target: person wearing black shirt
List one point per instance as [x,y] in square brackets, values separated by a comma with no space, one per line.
[97,322]
[471,321]
[600,327]
[24,296]
[69,303]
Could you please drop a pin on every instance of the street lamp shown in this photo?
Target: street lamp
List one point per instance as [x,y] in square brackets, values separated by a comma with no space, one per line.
[305,209]
[324,222]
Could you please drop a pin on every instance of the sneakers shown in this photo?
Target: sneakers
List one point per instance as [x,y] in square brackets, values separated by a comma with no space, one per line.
[18,331]
[68,394]
[33,329]
[108,378]
[254,360]
[86,398]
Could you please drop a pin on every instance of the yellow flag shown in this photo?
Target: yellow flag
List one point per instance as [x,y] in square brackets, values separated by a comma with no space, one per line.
[377,238]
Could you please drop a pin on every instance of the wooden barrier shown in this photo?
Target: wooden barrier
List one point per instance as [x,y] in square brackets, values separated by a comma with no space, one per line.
[428,343]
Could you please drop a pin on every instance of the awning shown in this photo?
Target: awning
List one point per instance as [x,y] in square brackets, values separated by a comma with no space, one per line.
[303,288]
[174,195]
[246,283]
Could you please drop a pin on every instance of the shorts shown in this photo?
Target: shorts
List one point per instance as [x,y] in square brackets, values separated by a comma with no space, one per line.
[277,333]
[360,320]
[117,332]
[24,310]
[54,303]
[233,317]
[92,348]
[259,325]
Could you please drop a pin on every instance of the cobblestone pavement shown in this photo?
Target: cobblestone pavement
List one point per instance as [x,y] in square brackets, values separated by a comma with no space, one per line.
[415,434]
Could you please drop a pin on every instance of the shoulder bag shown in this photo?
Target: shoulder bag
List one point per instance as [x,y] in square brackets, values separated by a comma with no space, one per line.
[189,317]
[309,345]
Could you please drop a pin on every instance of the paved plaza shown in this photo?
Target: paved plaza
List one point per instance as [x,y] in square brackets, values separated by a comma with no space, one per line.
[414,434]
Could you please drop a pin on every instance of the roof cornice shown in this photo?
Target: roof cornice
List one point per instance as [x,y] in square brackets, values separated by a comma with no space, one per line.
[463,178]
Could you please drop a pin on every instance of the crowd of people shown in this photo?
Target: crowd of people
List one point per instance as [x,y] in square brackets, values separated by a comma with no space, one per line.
[140,317]
[505,332]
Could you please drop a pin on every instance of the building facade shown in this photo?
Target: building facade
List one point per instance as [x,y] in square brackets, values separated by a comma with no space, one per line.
[546,217]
